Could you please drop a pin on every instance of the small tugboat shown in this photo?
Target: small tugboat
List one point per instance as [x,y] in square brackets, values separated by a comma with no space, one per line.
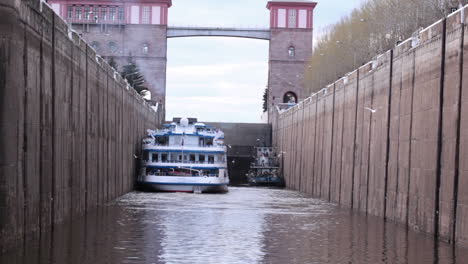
[264,171]
[185,156]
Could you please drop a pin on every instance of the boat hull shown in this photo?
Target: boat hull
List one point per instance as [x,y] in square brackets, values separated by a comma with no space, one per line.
[184,184]
[266,181]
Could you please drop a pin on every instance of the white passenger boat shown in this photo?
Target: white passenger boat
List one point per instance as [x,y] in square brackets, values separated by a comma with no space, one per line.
[185,156]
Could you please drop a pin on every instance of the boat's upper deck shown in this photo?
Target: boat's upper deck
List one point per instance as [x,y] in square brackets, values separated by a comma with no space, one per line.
[185,134]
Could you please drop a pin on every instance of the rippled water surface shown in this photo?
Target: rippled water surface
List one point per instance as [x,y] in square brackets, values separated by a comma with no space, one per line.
[246,225]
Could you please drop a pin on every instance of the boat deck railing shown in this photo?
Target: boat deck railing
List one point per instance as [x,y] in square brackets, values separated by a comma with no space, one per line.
[184,161]
[168,175]
[179,146]
[264,165]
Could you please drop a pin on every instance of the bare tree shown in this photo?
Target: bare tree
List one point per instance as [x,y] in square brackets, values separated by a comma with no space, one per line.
[373,28]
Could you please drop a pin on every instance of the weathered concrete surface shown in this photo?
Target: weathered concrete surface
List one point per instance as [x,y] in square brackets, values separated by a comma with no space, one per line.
[69,129]
[461,204]
[128,40]
[390,139]
[350,92]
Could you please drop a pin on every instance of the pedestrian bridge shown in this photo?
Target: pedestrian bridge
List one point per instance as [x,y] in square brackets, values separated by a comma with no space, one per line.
[177,32]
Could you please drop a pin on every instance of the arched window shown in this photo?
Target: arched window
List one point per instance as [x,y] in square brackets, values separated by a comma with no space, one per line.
[112,47]
[145,48]
[95,45]
[291,52]
[290,98]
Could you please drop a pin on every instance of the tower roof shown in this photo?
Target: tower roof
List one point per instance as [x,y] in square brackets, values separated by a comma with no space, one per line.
[291,3]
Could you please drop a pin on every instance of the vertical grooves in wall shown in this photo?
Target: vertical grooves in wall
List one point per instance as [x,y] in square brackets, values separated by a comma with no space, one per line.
[291,150]
[341,143]
[321,149]
[71,128]
[389,115]
[355,137]
[457,145]
[122,141]
[97,137]
[297,157]
[439,132]
[369,145]
[41,128]
[315,145]
[398,141]
[331,144]
[107,142]
[25,134]
[302,146]
[312,148]
[86,131]
[362,148]
[413,81]
[19,164]
[54,134]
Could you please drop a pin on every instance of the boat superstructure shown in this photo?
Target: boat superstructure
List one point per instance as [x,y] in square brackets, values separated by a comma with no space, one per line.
[184,156]
[265,170]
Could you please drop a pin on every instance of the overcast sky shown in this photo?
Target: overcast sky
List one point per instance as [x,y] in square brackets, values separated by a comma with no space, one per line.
[223,79]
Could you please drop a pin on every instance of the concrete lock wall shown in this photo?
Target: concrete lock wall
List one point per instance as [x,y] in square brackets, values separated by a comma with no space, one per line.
[69,126]
[391,138]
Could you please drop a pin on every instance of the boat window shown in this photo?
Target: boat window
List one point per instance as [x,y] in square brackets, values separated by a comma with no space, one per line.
[209,142]
[210,159]
[162,141]
[180,158]
[163,157]
[145,155]
[192,157]
[185,157]
[201,158]
[154,157]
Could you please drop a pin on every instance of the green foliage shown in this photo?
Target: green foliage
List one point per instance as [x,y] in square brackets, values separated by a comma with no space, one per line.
[265,100]
[372,29]
[131,72]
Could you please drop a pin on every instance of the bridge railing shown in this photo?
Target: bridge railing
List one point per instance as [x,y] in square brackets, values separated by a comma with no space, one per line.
[223,27]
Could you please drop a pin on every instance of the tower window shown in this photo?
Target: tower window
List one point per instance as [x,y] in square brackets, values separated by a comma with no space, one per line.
[95,45]
[290,98]
[145,18]
[78,13]
[87,12]
[145,48]
[70,12]
[292,52]
[103,13]
[292,15]
[121,13]
[112,47]
[112,13]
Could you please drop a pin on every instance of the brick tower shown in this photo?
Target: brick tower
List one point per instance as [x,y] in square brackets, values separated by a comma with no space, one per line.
[120,28]
[290,48]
